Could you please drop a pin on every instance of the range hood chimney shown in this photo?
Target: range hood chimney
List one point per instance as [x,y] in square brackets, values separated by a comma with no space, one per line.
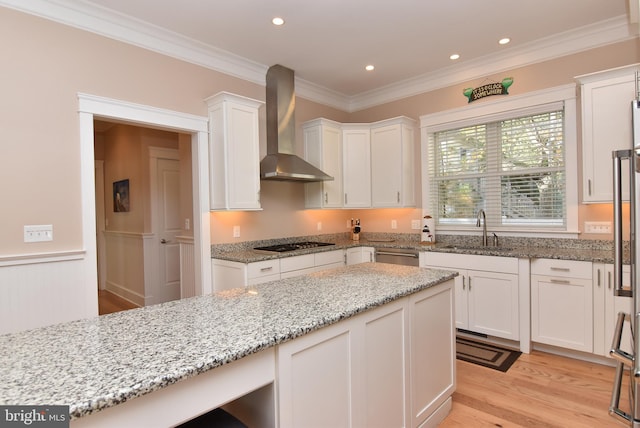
[281,163]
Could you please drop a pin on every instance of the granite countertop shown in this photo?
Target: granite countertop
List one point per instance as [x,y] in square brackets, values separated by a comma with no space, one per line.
[564,249]
[101,362]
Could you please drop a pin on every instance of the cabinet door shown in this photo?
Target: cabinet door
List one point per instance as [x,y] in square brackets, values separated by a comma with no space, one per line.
[315,379]
[357,168]
[461,301]
[493,304]
[384,368]
[227,275]
[234,152]
[562,312]
[386,165]
[323,149]
[368,254]
[392,169]
[354,256]
[615,305]
[606,126]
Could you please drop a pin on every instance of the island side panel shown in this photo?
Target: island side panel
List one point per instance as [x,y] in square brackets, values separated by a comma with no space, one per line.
[433,353]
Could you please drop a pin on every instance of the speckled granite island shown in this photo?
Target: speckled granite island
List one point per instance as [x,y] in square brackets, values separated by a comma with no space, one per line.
[337,347]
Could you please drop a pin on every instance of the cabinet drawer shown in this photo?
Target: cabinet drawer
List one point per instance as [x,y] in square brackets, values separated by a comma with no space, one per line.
[329,257]
[288,264]
[259,269]
[561,268]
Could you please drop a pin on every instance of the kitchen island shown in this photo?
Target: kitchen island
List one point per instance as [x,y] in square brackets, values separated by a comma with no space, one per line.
[164,364]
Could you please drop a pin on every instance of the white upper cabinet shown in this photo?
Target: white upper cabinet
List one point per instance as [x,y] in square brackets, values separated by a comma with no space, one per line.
[606,126]
[372,163]
[323,149]
[356,163]
[392,161]
[234,157]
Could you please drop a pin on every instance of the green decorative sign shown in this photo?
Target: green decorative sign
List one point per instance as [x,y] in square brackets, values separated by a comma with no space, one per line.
[489,89]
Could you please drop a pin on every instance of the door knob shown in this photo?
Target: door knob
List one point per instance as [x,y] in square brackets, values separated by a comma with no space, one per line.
[163,241]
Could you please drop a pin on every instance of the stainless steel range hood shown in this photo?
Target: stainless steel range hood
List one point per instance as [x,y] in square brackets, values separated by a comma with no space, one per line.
[281,163]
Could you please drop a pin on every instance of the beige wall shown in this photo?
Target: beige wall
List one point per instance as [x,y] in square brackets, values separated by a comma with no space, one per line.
[48,64]
[126,156]
[44,66]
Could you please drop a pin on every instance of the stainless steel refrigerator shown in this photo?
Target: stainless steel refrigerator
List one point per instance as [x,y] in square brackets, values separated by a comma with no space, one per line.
[628,361]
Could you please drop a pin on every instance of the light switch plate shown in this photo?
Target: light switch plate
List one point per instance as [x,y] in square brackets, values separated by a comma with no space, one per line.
[38,233]
[236,231]
[415,224]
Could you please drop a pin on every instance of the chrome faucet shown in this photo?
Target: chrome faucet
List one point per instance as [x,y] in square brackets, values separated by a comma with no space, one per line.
[482,217]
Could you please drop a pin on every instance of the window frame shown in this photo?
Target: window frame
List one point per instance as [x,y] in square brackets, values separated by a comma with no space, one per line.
[492,110]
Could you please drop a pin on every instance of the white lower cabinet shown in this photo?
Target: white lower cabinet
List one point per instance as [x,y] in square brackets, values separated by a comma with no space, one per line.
[227,274]
[391,366]
[360,255]
[296,265]
[606,307]
[562,303]
[329,260]
[487,296]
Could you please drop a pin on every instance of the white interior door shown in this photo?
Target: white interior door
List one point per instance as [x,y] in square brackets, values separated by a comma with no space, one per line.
[166,220]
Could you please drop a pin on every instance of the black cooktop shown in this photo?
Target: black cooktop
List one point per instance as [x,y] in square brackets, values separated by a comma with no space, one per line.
[281,248]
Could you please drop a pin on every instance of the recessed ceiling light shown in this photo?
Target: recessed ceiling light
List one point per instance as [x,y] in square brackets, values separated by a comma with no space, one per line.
[504,41]
[369,67]
[277,21]
[454,56]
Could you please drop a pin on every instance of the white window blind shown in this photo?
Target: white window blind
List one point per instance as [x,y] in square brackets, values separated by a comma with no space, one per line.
[513,169]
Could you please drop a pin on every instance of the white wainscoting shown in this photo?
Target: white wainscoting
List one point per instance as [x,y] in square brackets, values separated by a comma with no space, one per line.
[187,267]
[125,265]
[42,289]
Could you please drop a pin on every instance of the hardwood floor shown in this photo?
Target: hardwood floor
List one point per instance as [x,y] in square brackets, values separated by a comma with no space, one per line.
[109,303]
[539,390]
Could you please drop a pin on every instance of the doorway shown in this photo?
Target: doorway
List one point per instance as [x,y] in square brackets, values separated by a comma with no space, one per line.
[139,247]
[91,107]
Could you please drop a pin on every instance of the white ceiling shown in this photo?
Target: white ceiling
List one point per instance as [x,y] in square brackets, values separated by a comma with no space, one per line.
[328,42]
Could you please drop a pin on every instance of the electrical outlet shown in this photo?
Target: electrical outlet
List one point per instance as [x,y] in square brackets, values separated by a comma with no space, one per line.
[236,231]
[415,224]
[319,226]
[603,227]
[38,233]
[394,224]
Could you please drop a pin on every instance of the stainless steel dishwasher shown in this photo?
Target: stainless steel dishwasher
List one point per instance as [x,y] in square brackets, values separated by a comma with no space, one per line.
[398,256]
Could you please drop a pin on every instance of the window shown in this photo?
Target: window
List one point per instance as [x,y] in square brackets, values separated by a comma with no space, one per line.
[512,167]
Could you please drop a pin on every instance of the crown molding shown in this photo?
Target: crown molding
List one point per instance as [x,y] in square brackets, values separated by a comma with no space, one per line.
[606,32]
[129,30]
[124,28]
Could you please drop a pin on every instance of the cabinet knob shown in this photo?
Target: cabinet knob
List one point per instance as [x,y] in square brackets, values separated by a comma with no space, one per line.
[398,197]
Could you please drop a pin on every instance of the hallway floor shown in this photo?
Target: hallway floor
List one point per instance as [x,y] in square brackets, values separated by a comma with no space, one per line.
[109,303]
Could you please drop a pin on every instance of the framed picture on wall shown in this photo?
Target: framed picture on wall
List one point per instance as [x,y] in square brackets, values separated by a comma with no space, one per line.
[121,196]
